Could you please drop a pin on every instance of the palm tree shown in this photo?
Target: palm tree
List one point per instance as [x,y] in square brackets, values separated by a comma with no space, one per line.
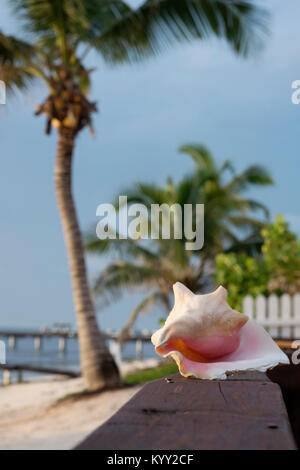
[153,266]
[14,54]
[62,32]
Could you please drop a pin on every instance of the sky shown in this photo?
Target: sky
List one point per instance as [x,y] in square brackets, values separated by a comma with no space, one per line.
[200,92]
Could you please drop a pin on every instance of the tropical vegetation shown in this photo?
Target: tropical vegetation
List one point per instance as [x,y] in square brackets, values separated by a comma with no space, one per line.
[275,270]
[153,266]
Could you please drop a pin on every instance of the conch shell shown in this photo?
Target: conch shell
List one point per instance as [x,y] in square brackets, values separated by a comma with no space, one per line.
[207,338]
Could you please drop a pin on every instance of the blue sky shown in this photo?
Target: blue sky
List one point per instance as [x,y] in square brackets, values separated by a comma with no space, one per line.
[200,92]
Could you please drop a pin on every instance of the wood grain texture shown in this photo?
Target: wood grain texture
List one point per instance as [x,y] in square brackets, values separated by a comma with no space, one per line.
[179,414]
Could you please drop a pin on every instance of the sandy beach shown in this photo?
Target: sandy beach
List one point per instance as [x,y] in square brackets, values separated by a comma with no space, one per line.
[32,417]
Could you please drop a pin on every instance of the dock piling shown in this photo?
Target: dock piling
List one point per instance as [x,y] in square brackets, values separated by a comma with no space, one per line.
[37,343]
[62,345]
[12,342]
[6,377]
[139,349]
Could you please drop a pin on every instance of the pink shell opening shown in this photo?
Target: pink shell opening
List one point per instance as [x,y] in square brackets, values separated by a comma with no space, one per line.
[214,346]
[210,357]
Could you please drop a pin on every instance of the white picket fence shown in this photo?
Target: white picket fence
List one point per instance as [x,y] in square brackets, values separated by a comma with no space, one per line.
[279,315]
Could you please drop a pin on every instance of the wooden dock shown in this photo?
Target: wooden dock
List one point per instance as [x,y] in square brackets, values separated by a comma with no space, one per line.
[38,337]
[21,368]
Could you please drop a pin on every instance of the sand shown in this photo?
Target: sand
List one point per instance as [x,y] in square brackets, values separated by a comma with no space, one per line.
[31,418]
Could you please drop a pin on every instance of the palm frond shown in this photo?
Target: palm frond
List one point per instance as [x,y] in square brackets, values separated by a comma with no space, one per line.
[142,307]
[124,247]
[245,222]
[58,22]
[158,24]
[15,77]
[251,244]
[147,194]
[187,191]
[227,165]
[13,49]
[200,154]
[253,175]
[15,55]
[255,205]
[121,275]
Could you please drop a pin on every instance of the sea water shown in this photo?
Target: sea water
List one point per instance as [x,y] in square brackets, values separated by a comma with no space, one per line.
[49,355]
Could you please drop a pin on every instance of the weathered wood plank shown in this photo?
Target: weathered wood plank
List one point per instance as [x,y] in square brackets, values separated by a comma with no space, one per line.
[178,414]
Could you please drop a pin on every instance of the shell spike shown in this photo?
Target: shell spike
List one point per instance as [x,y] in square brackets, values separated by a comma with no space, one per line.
[221,292]
[181,292]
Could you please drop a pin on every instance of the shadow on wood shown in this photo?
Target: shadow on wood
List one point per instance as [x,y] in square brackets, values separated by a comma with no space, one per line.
[288,377]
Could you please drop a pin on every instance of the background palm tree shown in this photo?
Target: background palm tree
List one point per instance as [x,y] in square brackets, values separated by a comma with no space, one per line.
[154,266]
[61,33]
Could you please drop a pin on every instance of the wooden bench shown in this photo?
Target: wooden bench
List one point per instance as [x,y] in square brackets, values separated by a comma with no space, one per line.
[246,411]
[20,368]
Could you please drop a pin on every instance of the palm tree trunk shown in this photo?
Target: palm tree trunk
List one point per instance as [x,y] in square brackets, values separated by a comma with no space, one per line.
[97,364]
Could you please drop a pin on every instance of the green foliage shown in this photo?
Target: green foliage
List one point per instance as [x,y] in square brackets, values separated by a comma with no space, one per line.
[241,275]
[277,270]
[154,266]
[158,24]
[14,57]
[281,250]
[151,374]
[221,190]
